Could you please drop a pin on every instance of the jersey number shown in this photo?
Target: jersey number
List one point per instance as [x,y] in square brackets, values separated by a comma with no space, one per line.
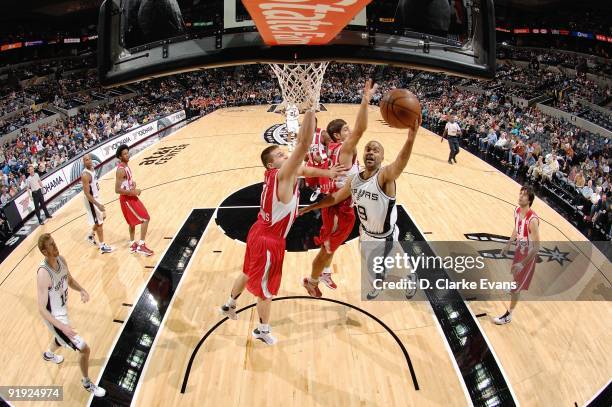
[64,297]
[362,213]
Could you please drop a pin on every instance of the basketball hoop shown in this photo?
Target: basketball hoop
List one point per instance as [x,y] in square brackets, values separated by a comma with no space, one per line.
[300,84]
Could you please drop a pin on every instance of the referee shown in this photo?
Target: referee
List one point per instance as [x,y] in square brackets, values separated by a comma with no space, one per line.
[453,131]
[35,186]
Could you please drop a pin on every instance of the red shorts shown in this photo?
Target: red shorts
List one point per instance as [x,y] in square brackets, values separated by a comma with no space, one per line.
[523,277]
[133,210]
[263,262]
[338,222]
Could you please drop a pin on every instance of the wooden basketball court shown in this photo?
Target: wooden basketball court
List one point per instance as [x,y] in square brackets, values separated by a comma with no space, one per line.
[553,353]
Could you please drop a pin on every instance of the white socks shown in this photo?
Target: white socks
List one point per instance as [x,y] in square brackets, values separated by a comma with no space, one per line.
[231,302]
[263,328]
[327,270]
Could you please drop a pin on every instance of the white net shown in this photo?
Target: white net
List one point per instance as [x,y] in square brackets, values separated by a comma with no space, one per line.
[300,84]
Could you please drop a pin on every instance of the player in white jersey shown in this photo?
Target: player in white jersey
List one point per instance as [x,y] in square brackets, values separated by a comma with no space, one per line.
[93,208]
[53,280]
[373,193]
[292,114]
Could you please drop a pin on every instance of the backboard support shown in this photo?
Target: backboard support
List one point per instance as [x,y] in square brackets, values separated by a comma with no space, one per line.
[228,41]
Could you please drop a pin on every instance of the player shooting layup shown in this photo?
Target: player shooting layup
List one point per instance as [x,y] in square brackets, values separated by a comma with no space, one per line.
[373,193]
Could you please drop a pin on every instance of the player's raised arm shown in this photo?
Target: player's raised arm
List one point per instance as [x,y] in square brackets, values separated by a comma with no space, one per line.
[334,172]
[289,169]
[349,147]
[392,171]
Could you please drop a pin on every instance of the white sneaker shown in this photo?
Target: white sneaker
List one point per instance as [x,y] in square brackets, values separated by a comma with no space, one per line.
[93,389]
[374,292]
[57,359]
[504,319]
[229,312]
[315,195]
[326,279]
[105,248]
[411,291]
[91,239]
[265,337]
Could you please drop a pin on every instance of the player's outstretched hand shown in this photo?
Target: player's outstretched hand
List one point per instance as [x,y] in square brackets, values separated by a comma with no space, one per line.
[84,295]
[415,127]
[338,170]
[369,91]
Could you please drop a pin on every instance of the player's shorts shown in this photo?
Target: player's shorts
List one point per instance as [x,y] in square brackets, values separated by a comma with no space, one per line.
[293,126]
[76,343]
[338,222]
[94,215]
[523,277]
[133,210]
[263,262]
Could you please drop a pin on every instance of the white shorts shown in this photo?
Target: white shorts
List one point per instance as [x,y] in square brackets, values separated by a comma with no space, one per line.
[76,343]
[94,215]
[293,127]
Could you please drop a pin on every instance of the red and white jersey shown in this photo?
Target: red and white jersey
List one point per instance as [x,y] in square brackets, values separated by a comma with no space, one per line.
[334,157]
[522,227]
[275,216]
[317,153]
[128,183]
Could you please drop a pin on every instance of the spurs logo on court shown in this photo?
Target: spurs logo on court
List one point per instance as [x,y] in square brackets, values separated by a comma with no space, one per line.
[545,253]
[277,134]
[164,154]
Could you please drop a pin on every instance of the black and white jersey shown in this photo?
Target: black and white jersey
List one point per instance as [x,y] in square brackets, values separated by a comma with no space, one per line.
[94,187]
[376,210]
[58,292]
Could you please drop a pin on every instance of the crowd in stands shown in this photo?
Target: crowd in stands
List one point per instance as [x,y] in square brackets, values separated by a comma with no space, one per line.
[530,144]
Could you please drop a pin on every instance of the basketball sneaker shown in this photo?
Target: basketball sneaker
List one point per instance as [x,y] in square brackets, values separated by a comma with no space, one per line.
[504,319]
[374,292]
[133,247]
[91,239]
[265,337]
[315,194]
[93,389]
[312,288]
[412,288]
[326,278]
[143,249]
[52,357]
[105,248]
[229,312]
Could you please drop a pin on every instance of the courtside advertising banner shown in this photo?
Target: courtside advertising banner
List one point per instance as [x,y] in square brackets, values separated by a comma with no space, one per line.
[63,177]
[302,22]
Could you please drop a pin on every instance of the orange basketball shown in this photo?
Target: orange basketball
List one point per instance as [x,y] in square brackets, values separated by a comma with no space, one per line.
[400,108]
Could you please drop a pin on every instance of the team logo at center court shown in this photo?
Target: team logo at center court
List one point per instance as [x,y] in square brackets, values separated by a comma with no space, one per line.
[163,154]
[277,134]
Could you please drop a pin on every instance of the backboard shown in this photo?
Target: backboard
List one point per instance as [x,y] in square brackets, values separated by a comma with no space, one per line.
[140,39]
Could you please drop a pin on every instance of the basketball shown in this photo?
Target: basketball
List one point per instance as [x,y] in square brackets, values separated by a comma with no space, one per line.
[400,108]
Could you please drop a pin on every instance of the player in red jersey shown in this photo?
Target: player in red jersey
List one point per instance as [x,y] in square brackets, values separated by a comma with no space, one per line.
[526,235]
[265,251]
[338,220]
[317,157]
[133,210]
